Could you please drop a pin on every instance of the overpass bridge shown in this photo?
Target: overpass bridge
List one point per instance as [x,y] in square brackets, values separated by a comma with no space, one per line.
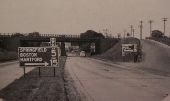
[62,39]
[24,40]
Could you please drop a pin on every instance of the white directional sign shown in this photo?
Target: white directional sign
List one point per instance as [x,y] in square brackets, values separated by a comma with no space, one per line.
[128,48]
[52,41]
[38,56]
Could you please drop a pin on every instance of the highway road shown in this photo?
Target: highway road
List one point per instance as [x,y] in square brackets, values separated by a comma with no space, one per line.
[9,72]
[98,80]
[106,81]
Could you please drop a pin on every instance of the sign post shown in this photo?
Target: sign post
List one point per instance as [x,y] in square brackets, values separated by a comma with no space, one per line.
[53,56]
[128,48]
[24,71]
[54,71]
[52,41]
[39,71]
[39,56]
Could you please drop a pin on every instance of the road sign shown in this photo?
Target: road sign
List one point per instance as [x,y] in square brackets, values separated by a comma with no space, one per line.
[52,41]
[38,56]
[128,48]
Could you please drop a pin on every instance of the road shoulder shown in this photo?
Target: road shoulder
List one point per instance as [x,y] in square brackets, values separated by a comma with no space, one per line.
[35,88]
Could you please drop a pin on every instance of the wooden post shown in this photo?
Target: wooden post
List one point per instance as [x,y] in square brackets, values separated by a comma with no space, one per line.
[24,71]
[54,71]
[39,71]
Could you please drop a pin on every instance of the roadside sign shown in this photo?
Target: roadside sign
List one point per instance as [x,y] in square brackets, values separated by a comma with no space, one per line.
[52,41]
[128,48]
[38,56]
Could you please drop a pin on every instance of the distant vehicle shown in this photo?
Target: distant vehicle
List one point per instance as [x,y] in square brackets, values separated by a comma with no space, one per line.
[83,53]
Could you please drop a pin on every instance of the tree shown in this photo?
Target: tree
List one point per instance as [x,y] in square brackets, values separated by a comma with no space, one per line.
[128,35]
[34,44]
[91,34]
[156,34]
[118,35]
[34,34]
[17,35]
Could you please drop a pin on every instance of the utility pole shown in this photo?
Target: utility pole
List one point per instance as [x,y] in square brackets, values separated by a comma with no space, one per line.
[131,30]
[141,28]
[105,32]
[124,33]
[124,36]
[150,22]
[164,20]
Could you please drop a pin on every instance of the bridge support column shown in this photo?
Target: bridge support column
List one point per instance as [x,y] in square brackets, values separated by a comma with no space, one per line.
[1,43]
[63,51]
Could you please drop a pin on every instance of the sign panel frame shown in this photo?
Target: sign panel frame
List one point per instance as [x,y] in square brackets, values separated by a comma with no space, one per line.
[128,48]
[38,56]
[52,42]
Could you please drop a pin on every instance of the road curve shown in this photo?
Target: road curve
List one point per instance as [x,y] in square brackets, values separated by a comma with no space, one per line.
[102,81]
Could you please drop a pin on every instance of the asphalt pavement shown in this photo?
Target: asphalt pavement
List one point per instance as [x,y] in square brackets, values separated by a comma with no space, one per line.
[107,81]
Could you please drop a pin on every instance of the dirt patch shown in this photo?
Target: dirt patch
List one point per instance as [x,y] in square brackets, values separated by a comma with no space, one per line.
[35,88]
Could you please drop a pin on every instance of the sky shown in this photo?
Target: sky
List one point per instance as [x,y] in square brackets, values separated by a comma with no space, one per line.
[78,16]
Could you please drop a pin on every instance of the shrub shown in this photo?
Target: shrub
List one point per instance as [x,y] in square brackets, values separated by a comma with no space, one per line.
[156,34]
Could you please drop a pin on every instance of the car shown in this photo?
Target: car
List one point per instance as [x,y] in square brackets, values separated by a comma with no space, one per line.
[82,53]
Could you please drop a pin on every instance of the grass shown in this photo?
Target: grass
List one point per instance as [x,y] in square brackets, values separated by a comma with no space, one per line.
[115,53]
[35,88]
[162,40]
[7,56]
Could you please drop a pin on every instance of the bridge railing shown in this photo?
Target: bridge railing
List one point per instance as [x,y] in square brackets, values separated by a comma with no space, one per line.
[6,34]
[12,34]
[40,35]
[60,35]
[27,35]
